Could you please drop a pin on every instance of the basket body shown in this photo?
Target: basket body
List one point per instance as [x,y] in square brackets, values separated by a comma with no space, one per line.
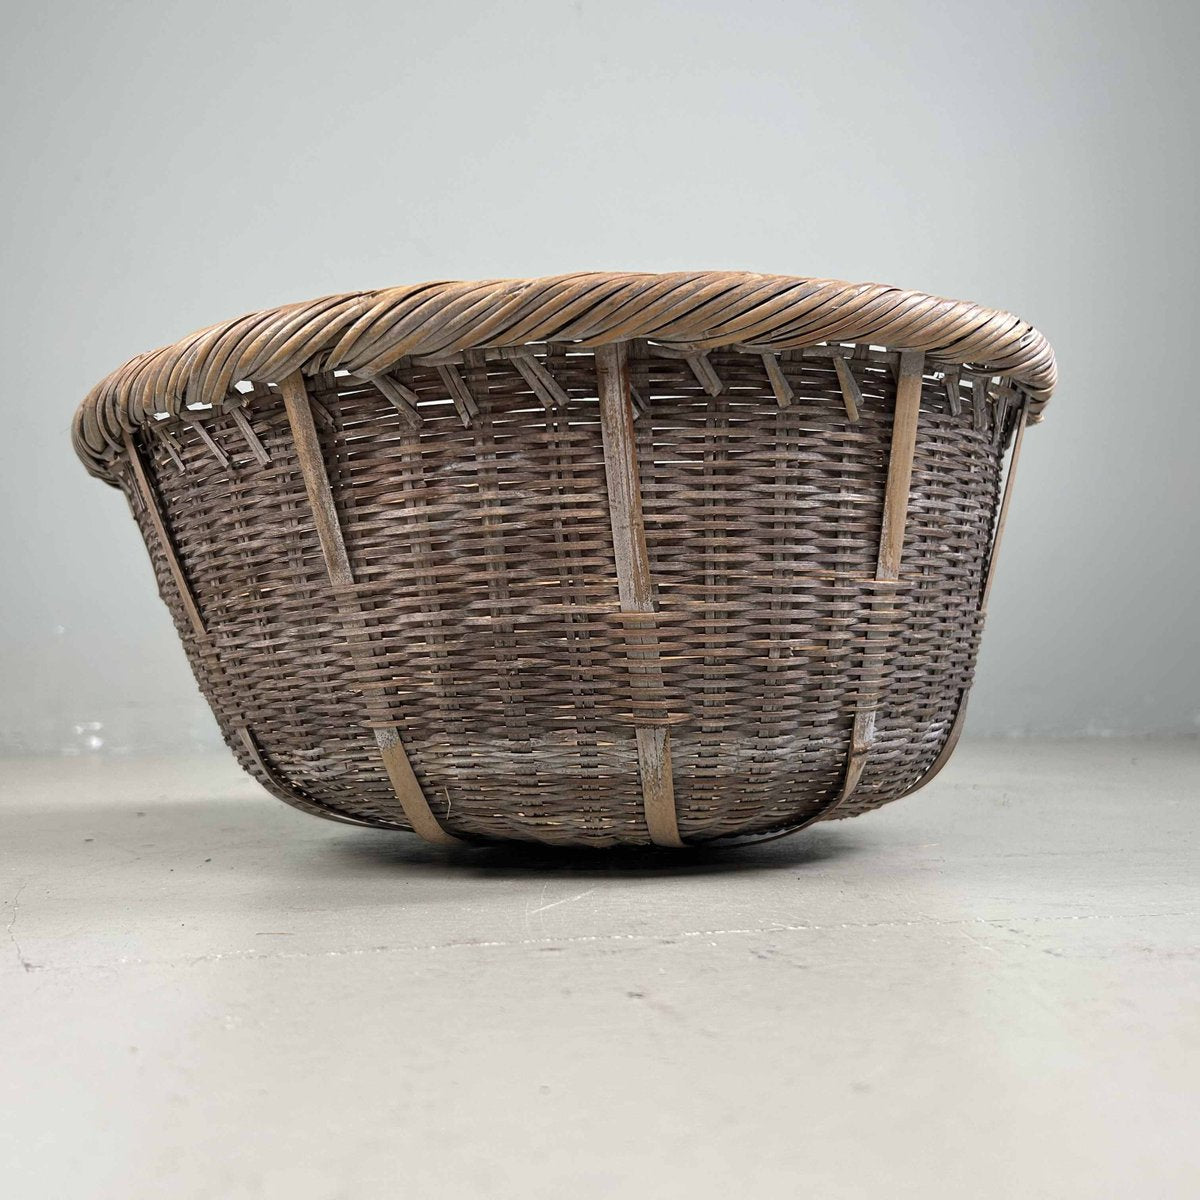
[487,629]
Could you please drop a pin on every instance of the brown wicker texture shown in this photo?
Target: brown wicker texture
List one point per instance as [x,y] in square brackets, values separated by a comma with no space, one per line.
[593,560]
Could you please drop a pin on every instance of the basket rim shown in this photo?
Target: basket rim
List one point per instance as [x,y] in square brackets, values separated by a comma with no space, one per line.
[368,332]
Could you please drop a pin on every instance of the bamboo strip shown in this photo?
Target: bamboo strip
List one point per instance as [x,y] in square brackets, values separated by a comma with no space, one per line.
[341,577]
[634,584]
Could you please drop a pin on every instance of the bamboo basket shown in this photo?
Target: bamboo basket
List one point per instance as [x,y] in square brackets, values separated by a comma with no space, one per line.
[591,560]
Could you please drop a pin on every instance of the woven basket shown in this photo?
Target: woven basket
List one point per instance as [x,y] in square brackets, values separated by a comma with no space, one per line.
[596,559]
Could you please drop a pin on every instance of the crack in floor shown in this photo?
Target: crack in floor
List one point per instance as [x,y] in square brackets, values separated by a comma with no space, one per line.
[550,942]
[26,965]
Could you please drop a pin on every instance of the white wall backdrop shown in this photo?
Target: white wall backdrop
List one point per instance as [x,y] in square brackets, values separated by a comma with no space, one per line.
[168,165]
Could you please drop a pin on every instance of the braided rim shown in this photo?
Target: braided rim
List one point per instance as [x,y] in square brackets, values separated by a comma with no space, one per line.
[368,332]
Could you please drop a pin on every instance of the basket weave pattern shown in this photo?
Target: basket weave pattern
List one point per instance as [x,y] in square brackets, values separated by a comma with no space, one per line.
[408,598]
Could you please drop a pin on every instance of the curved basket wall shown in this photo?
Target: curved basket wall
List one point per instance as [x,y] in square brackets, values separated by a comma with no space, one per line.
[640,591]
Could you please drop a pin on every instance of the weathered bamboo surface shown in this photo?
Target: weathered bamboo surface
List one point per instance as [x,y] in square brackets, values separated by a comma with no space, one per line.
[596,560]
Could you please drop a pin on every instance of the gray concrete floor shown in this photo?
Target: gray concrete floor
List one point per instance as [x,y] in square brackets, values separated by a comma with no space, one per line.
[988,990]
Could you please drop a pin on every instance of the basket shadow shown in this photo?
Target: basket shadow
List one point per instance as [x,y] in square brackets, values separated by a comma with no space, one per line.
[179,829]
[387,852]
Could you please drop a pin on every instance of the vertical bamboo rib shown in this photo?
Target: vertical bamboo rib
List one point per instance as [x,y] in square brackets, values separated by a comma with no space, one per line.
[634,586]
[851,392]
[146,491]
[854,766]
[207,650]
[960,716]
[887,570]
[1005,500]
[337,563]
